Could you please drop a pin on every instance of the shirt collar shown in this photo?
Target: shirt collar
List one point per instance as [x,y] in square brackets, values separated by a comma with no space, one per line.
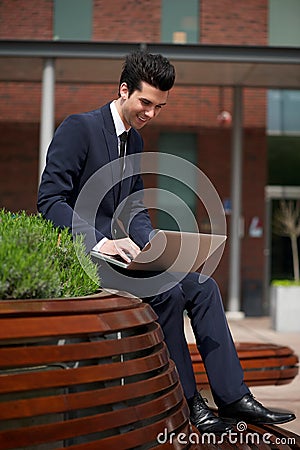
[119,125]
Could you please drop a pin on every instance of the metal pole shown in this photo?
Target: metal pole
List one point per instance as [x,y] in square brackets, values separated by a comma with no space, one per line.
[234,306]
[47,111]
[267,250]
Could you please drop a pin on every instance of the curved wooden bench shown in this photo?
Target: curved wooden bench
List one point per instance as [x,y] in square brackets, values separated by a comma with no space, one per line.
[263,364]
[66,380]
[265,437]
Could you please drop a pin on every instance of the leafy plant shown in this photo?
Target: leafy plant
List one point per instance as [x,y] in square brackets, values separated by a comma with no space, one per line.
[285,283]
[287,223]
[38,260]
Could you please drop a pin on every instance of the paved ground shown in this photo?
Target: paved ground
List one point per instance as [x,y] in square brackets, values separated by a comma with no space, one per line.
[258,329]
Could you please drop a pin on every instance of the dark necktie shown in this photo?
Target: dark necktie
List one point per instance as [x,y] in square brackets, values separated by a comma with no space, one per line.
[123,139]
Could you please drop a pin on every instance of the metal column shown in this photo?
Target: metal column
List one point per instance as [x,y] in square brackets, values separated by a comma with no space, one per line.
[234,304]
[47,111]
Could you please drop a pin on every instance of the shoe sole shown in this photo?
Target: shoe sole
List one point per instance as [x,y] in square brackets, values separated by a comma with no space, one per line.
[237,420]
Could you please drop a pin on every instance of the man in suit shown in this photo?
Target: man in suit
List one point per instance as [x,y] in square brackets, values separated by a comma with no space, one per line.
[83,146]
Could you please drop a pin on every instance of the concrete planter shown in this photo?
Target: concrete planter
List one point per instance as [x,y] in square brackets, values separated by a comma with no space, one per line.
[285,308]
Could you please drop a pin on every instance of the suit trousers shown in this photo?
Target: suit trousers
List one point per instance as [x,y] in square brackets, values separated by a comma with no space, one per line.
[203,304]
[200,298]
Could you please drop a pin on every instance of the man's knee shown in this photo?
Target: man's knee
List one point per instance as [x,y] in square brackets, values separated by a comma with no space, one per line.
[209,283]
[202,282]
[200,289]
[171,298]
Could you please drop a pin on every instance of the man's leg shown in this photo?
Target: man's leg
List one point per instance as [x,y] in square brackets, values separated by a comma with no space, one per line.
[219,355]
[169,307]
[213,338]
[204,305]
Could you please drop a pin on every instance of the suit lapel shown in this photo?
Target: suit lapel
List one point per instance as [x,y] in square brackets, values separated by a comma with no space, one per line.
[113,154]
[111,148]
[109,133]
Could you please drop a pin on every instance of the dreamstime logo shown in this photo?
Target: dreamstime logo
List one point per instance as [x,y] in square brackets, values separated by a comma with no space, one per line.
[240,436]
[101,190]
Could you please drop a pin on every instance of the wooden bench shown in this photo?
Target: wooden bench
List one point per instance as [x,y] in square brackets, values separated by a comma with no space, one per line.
[263,364]
[253,437]
[67,381]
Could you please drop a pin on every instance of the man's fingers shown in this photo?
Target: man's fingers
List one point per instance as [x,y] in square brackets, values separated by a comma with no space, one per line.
[125,247]
[126,256]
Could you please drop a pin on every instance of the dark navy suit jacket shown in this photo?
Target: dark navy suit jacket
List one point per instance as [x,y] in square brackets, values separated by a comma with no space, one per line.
[79,187]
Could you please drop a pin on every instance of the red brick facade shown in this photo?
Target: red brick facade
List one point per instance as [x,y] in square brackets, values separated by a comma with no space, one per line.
[192,109]
[232,22]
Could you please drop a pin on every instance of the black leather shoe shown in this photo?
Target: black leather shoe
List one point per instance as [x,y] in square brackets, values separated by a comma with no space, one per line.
[251,411]
[204,419]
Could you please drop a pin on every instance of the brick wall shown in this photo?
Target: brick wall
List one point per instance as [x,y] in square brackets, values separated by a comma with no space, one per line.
[234,22]
[19,144]
[189,108]
[127,21]
[26,19]
[221,22]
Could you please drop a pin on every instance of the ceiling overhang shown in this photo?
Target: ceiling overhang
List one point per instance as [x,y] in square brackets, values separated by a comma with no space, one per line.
[196,65]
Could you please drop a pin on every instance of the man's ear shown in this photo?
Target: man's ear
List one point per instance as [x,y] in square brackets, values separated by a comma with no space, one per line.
[124,92]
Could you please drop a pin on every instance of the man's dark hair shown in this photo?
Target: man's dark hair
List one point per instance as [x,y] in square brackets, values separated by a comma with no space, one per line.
[155,70]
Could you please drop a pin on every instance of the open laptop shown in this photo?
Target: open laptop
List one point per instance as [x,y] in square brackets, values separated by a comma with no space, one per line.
[173,251]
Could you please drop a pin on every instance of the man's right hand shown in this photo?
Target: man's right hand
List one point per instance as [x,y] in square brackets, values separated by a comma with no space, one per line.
[124,247]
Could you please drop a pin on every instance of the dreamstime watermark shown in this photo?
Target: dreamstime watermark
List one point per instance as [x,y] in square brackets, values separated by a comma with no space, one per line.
[102,190]
[240,436]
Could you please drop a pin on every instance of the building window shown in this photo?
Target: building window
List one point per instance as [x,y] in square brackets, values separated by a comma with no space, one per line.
[171,212]
[284,105]
[73,20]
[283,112]
[180,21]
[284,29]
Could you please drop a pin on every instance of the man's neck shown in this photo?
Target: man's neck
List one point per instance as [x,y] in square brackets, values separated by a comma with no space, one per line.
[117,118]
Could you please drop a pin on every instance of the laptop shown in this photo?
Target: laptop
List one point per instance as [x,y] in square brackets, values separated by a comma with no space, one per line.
[173,251]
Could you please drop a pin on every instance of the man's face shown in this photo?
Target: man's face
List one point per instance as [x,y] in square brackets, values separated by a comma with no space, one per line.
[142,106]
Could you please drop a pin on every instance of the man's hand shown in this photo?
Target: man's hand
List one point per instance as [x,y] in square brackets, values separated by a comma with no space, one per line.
[125,247]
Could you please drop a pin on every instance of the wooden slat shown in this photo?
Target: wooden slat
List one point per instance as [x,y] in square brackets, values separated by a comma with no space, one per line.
[66,402]
[103,372]
[76,325]
[91,424]
[178,444]
[292,439]
[46,354]
[263,364]
[98,303]
[258,437]
[141,436]
[260,364]
[271,438]
[247,349]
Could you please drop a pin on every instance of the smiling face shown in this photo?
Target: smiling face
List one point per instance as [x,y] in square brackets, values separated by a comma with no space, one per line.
[137,109]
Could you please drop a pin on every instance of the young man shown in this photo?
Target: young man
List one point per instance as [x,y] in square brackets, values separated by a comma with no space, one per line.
[82,147]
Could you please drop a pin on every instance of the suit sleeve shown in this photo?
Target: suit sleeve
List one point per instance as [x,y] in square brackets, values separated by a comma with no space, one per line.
[60,182]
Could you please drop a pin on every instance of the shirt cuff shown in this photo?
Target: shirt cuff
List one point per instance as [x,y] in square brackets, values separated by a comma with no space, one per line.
[99,244]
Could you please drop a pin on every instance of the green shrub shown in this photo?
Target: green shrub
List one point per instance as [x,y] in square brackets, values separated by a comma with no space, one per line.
[38,260]
[285,283]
